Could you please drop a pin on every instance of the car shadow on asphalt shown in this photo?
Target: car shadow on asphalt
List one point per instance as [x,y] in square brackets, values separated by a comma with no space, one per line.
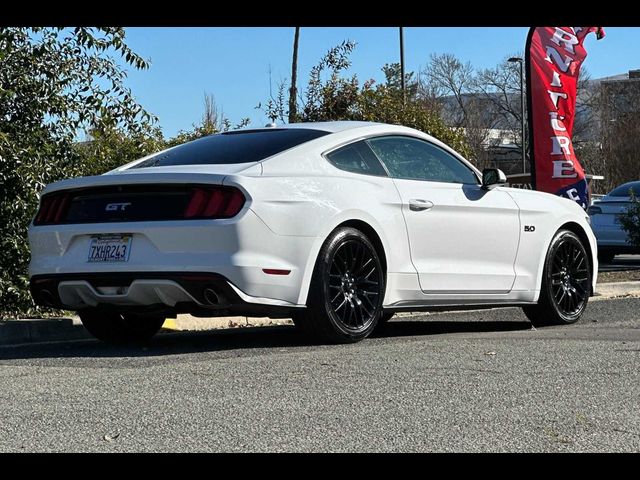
[272,337]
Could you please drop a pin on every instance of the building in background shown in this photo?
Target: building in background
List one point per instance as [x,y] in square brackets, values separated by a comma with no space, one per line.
[606,132]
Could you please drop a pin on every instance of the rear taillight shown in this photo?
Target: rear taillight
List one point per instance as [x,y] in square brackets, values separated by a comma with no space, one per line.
[214,202]
[53,208]
[594,210]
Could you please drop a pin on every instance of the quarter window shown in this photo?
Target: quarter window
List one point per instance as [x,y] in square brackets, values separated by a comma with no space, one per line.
[415,159]
[358,158]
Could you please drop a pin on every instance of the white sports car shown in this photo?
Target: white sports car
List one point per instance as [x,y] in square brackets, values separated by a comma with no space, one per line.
[337,225]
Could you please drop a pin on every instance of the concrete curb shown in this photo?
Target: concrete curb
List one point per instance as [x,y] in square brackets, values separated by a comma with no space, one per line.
[28,331]
[13,332]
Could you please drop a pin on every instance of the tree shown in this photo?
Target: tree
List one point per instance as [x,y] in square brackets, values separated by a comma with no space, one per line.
[384,104]
[107,149]
[630,219]
[392,73]
[213,121]
[610,134]
[54,83]
[478,102]
[447,76]
[332,95]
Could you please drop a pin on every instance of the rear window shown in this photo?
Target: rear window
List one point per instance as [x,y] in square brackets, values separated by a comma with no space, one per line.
[233,147]
[623,190]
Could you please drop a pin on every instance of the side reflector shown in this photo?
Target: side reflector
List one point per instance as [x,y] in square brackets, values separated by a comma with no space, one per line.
[275,271]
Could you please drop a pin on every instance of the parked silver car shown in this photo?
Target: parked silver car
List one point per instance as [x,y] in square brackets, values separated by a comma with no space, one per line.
[604,213]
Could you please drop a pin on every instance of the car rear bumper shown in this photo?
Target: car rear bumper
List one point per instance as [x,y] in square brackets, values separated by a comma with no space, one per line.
[201,293]
[238,250]
[610,236]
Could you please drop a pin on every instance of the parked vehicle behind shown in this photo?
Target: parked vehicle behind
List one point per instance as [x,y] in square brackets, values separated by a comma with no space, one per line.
[605,221]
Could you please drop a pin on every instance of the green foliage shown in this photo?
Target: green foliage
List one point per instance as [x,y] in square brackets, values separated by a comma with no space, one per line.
[213,121]
[384,104]
[331,96]
[630,220]
[393,74]
[203,130]
[108,149]
[54,82]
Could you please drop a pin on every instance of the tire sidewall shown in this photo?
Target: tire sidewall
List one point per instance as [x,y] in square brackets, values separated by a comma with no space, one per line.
[333,243]
[548,290]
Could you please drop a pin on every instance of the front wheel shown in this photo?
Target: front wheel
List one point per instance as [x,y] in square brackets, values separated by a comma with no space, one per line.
[566,283]
[118,329]
[346,291]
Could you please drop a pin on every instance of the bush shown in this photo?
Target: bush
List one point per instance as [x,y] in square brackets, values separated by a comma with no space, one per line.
[54,82]
[630,220]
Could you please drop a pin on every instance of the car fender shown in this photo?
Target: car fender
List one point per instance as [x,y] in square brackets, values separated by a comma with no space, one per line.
[546,214]
[335,222]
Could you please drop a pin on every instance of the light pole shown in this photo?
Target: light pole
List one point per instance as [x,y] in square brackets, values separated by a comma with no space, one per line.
[524,156]
[402,85]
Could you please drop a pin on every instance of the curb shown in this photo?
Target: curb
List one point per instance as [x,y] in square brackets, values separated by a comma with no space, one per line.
[13,332]
[30,331]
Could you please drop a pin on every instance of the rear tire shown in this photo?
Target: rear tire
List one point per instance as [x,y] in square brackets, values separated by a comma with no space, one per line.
[566,283]
[347,290]
[118,329]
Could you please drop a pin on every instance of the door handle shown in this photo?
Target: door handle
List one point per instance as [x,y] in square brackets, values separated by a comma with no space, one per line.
[418,205]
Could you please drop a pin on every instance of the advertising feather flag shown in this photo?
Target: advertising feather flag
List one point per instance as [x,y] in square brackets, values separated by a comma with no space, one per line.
[554,56]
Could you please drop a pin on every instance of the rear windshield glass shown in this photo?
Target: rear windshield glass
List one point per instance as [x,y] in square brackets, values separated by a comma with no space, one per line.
[623,190]
[233,147]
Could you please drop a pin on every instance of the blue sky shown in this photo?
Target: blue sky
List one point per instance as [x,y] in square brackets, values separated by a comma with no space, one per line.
[233,64]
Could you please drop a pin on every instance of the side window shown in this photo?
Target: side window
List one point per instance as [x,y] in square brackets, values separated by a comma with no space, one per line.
[415,159]
[358,158]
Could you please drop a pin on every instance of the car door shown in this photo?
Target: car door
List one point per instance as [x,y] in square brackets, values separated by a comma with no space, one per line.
[463,239]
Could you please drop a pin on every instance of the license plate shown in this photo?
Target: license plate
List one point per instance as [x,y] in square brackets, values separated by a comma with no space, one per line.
[110,248]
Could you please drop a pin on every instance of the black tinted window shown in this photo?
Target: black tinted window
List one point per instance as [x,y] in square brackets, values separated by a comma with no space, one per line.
[411,158]
[623,190]
[356,157]
[233,147]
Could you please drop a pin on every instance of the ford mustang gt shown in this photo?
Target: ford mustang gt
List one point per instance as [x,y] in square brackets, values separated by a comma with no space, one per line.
[336,225]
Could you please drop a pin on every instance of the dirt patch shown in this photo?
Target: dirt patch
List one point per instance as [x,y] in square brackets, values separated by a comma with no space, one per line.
[623,276]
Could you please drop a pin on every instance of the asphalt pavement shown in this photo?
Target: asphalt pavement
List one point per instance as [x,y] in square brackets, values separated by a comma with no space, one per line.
[479,381]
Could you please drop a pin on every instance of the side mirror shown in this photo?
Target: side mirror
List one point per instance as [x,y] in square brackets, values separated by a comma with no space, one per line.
[493,177]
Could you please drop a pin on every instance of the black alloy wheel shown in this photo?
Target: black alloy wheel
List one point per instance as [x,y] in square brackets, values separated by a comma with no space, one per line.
[566,284]
[347,289]
[354,285]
